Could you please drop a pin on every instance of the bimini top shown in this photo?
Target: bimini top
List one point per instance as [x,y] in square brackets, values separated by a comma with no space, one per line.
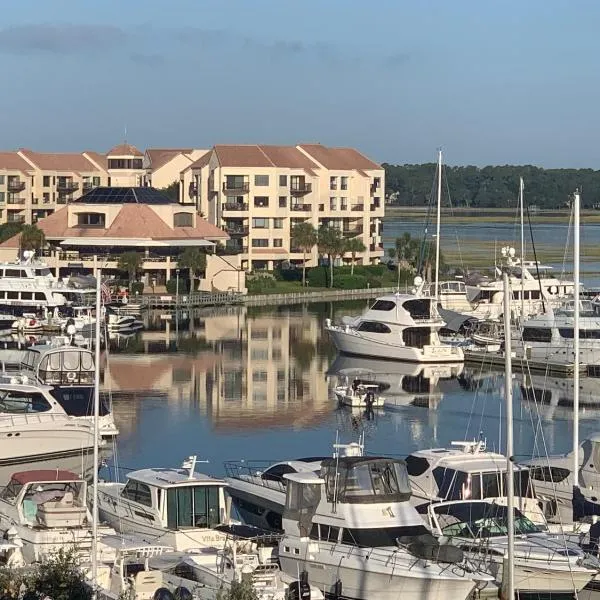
[166,478]
[44,475]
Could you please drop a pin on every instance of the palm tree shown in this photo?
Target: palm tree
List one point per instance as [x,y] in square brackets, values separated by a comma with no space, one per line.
[354,245]
[304,236]
[194,260]
[130,262]
[32,238]
[330,242]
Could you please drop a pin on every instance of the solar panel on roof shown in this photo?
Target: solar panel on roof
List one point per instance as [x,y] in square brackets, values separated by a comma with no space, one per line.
[125,195]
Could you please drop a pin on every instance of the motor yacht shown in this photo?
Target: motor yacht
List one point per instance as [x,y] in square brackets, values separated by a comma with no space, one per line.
[354,531]
[257,488]
[398,327]
[175,507]
[117,321]
[47,510]
[544,563]
[468,471]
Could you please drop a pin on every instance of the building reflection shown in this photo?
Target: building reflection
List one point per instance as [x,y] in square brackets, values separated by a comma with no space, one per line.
[240,368]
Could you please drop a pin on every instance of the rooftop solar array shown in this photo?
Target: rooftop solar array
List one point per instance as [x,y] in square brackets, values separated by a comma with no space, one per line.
[125,195]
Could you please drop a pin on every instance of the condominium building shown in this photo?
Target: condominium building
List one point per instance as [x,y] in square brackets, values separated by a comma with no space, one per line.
[163,166]
[258,193]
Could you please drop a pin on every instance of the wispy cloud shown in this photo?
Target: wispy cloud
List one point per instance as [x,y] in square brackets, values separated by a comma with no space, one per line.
[59,39]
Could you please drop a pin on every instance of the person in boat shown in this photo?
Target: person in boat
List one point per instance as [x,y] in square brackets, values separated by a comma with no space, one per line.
[355,384]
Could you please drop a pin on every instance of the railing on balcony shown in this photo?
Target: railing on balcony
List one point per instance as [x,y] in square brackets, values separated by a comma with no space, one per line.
[67,186]
[357,207]
[193,190]
[234,189]
[61,200]
[16,200]
[237,231]
[15,218]
[295,249]
[374,189]
[301,207]
[15,185]
[299,188]
[375,247]
[235,206]
[87,186]
[353,231]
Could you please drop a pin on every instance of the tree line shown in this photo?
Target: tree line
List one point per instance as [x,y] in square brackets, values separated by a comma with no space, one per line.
[492,186]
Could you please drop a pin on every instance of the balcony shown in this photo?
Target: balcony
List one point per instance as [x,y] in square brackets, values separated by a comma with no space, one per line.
[375,248]
[237,231]
[11,218]
[87,186]
[193,190]
[236,189]
[16,200]
[301,207]
[353,231]
[357,207]
[300,188]
[15,185]
[67,185]
[236,206]
[374,188]
[61,200]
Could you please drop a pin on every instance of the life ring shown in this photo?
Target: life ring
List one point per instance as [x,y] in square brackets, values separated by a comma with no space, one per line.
[553,289]
[71,376]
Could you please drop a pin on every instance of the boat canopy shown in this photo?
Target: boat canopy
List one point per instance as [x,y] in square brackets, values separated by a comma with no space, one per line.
[60,364]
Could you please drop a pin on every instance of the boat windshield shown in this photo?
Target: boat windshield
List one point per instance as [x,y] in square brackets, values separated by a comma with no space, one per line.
[480,520]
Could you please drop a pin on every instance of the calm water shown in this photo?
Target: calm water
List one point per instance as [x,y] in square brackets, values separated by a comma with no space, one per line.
[256,384]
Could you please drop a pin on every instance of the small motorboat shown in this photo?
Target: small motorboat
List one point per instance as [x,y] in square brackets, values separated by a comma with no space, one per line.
[359,393]
[28,322]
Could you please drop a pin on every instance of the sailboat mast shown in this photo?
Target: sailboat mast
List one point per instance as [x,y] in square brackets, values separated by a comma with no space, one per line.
[576,202]
[437,227]
[510,479]
[521,188]
[96,434]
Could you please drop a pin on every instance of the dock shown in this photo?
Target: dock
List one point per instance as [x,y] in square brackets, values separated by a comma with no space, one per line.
[496,359]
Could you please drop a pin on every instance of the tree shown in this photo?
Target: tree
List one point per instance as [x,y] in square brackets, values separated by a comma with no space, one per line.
[32,238]
[354,245]
[331,243]
[194,260]
[131,262]
[171,191]
[304,236]
[239,590]
[8,230]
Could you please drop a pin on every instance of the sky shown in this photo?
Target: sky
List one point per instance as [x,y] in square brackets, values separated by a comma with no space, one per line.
[510,82]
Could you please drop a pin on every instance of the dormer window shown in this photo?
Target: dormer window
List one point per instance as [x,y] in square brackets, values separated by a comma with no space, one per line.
[91,220]
[183,219]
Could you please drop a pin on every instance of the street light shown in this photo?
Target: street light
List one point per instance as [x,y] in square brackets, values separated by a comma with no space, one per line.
[176,289]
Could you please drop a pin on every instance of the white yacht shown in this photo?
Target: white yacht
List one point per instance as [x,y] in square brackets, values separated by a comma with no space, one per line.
[544,563]
[117,321]
[468,471]
[48,511]
[175,507]
[398,327]
[354,531]
[358,392]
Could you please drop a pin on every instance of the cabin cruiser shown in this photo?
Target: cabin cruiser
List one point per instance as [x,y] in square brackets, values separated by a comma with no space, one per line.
[487,335]
[352,528]
[548,337]
[398,327]
[257,488]
[47,510]
[116,321]
[544,563]
[176,507]
[468,471]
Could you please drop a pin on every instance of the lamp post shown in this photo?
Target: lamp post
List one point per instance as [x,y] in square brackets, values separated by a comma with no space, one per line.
[176,289]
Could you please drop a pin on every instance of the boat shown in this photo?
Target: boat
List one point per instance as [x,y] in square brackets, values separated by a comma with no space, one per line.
[544,563]
[359,393]
[118,322]
[175,507]
[487,335]
[352,528]
[398,327]
[257,488]
[47,509]
[28,323]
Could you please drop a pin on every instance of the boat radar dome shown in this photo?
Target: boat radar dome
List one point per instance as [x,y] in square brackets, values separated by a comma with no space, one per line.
[418,281]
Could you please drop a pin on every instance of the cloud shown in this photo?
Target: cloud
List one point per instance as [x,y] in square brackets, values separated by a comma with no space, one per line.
[59,38]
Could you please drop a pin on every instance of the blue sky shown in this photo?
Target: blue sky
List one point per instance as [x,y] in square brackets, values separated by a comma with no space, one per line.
[508,82]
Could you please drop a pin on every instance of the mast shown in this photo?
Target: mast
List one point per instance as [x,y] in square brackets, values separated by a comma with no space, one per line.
[510,481]
[96,435]
[576,202]
[437,230]
[521,188]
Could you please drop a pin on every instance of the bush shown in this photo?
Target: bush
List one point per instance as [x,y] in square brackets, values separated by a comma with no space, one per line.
[317,277]
[292,274]
[137,287]
[184,286]
[257,285]
[350,282]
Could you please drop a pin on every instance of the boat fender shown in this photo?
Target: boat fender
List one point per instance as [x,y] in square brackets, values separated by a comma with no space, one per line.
[182,593]
[162,594]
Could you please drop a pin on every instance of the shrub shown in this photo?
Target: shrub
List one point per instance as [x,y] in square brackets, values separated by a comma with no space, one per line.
[317,277]
[184,286]
[137,287]
[257,285]
[292,274]
[350,282]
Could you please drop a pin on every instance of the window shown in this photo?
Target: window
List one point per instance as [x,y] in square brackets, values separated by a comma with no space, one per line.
[416,337]
[259,376]
[261,180]
[584,334]
[381,536]
[277,243]
[137,492]
[343,183]
[282,201]
[15,402]
[332,203]
[328,533]
[183,219]
[95,181]
[333,183]
[343,203]
[416,465]
[46,197]
[278,223]
[193,507]
[12,295]
[124,163]
[46,181]
[383,305]
[374,327]
[537,334]
[2,197]
[13,273]
[283,180]
[91,220]
[40,296]
[260,243]
[236,182]
[553,474]
[261,201]
[260,223]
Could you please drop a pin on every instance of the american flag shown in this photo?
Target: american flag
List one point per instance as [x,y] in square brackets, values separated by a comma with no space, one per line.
[105,294]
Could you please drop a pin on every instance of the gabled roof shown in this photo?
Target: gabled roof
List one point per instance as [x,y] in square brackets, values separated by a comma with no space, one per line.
[99,159]
[339,158]
[125,195]
[263,156]
[202,161]
[63,161]
[124,150]
[11,161]
[161,156]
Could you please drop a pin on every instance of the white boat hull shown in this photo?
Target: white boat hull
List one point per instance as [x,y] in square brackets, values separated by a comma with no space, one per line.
[356,400]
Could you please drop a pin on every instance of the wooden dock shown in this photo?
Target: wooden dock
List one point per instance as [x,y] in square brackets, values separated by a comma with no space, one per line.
[496,359]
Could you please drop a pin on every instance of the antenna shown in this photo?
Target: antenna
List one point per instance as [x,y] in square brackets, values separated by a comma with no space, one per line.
[125,138]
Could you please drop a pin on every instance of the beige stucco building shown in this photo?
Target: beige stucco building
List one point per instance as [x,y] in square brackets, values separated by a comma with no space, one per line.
[257,193]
